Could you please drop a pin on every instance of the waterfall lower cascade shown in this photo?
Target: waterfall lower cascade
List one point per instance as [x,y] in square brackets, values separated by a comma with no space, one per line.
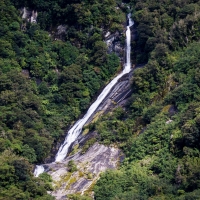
[75,131]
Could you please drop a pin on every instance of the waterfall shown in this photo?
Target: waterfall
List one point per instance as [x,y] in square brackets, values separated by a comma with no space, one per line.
[38,170]
[75,131]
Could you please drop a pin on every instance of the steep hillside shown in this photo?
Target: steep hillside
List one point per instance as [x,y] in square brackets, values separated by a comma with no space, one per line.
[159,129]
[48,80]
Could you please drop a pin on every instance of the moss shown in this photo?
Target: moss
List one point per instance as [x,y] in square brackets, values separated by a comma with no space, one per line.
[81,174]
[88,144]
[66,177]
[114,102]
[89,191]
[86,131]
[166,109]
[71,181]
[74,150]
[96,117]
[63,179]
[57,184]
[89,176]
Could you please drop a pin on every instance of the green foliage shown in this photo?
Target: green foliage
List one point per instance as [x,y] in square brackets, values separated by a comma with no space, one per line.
[133,183]
[112,129]
[170,24]
[88,144]
[17,181]
[47,80]
[47,181]
[29,153]
[160,124]
[46,83]
[71,166]
[150,113]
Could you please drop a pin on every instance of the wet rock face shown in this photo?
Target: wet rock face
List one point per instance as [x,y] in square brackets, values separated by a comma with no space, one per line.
[118,96]
[60,32]
[29,15]
[97,159]
[114,44]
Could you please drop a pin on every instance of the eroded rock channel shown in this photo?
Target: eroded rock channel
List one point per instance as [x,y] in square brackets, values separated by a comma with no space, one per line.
[81,169]
[97,159]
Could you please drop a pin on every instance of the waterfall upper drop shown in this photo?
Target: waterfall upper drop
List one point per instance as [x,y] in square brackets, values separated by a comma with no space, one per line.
[128,41]
[75,131]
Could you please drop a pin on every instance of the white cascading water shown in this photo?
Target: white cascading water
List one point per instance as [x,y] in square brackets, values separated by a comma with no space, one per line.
[75,131]
[39,169]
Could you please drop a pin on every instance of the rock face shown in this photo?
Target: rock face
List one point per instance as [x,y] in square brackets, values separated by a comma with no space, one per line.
[31,16]
[60,32]
[97,159]
[117,97]
[114,44]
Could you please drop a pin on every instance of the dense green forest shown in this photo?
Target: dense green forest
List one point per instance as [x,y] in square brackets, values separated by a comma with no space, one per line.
[47,82]
[159,130]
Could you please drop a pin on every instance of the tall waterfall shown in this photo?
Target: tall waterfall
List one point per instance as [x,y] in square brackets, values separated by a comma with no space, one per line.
[75,131]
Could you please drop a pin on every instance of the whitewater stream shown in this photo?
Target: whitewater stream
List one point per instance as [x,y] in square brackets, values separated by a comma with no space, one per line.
[75,131]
